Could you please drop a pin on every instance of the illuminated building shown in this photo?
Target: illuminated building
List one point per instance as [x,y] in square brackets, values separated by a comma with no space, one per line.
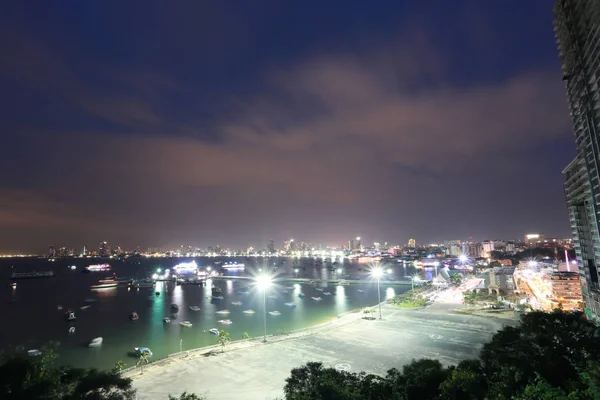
[488,247]
[566,289]
[51,252]
[103,249]
[354,244]
[578,37]
[84,251]
[412,243]
[271,247]
[533,240]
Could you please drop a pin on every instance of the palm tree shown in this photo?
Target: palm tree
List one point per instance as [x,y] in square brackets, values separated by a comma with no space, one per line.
[119,365]
[143,359]
[223,339]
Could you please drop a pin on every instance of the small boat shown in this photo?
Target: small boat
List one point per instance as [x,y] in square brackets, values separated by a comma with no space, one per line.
[157,293]
[174,307]
[72,330]
[326,293]
[360,291]
[105,286]
[97,342]
[225,321]
[14,285]
[319,289]
[215,289]
[275,313]
[316,298]
[214,331]
[217,297]
[166,320]
[139,350]
[249,311]
[343,283]
[194,308]
[84,307]
[300,294]
[243,292]
[222,312]
[273,297]
[59,307]
[186,324]
[134,316]
[89,300]
[290,304]
[289,287]
[236,303]
[34,353]
[70,315]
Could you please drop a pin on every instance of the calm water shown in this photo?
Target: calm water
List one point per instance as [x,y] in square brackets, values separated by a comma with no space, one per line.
[32,318]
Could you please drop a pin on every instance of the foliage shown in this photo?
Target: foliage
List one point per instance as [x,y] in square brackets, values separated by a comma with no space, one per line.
[408,300]
[187,396]
[469,297]
[119,366]
[23,377]
[456,279]
[549,356]
[223,338]
[144,354]
[245,336]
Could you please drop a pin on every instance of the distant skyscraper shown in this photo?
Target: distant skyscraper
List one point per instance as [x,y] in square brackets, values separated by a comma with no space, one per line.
[51,252]
[577,29]
[84,251]
[103,249]
[412,243]
[271,247]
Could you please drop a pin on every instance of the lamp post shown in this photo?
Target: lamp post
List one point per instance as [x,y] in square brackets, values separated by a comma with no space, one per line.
[377,273]
[263,282]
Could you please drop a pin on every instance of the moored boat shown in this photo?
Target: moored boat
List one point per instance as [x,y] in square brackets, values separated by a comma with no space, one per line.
[186,324]
[166,320]
[96,342]
[316,298]
[290,304]
[225,321]
[222,312]
[249,311]
[34,353]
[140,350]
[326,293]
[236,303]
[217,297]
[214,331]
[70,315]
[300,294]
[194,308]
[275,313]
[134,316]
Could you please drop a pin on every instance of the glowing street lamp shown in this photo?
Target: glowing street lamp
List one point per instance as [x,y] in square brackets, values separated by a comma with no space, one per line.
[263,282]
[463,258]
[339,270]
[377,272]
[415,277]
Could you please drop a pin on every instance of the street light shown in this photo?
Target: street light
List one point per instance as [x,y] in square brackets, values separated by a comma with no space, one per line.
[413,279]
[377,272]
[263,282]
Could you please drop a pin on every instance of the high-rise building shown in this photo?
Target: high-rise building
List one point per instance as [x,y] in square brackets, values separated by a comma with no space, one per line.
[103,249]
[51,252]
[577,30]
[84,251]
[412,243]
[271,247]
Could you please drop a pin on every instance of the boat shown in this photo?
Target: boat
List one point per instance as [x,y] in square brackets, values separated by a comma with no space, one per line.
[72,329]
[217,297]
[225,321]
[97,267]
[343,283]
[166,320]
[243,292]
[273,297]
[97,342]
[174,307]
[275,313]
[134,316]
[216,289]
[319,289]
[290,304]
[214,331]
[316,298]
[186,324]
[70,315]
[108,279]
[300,294]
[104,286]
[140,350]
[236,303]
[14,285]
[59,307]
[157,293]
[222,312]
[89,300]
[194,308]
[360,291]
[84,307]
[248,311]
[326,293]
[34,353]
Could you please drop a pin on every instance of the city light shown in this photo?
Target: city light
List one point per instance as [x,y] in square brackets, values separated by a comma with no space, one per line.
[463,258]
[155,276]
[389,270]
[339,270]
[263,282]
[377,272]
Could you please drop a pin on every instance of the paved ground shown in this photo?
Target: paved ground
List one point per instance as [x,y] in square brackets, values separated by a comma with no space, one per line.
[259,372]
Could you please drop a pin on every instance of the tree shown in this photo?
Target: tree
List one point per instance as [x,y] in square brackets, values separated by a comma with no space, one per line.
[418,380]
[119,366]
[223,339]
[456,279]
[23,377]
[187,396]
[144,354]
[469,297]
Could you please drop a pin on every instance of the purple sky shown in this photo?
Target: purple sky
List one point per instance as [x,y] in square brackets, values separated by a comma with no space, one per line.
[149,124]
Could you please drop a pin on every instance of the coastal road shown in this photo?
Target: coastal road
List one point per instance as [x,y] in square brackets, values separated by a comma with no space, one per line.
[373,346]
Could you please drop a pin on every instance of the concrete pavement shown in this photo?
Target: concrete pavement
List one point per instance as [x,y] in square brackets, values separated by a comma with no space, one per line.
[259,371]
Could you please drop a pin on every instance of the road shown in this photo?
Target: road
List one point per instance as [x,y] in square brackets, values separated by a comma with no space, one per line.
[373,346]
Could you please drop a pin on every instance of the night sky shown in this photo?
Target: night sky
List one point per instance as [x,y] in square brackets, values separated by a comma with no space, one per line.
[158,123]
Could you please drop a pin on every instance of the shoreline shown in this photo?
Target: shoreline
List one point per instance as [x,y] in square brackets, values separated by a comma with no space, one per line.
[155,366]
[307,280]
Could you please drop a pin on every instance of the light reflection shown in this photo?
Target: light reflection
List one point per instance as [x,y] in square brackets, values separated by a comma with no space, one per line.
[390,292]
[340,299]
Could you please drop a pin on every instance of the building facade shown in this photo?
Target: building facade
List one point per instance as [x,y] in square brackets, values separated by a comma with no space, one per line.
[577,30]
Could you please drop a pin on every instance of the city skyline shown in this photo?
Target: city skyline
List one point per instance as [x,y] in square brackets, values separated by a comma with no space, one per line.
[199,125]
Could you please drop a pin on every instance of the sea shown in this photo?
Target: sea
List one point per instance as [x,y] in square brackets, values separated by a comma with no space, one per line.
[32,316]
